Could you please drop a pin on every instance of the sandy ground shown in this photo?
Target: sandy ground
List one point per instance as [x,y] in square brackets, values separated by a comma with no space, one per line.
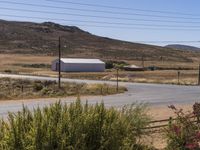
[163,112]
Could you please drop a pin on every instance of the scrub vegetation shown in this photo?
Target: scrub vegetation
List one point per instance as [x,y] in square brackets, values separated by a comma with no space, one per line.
[75,127]
[18,89]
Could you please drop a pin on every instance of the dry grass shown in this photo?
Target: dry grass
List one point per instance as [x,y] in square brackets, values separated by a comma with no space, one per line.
[8,63]
[28,89]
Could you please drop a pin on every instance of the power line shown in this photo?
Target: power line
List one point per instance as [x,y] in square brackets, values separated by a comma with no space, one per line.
[101,26]
[167,41]
[92,10]
[118,27]
[138,28]
[96,16]
[121,8]
[112,27]
[102,22]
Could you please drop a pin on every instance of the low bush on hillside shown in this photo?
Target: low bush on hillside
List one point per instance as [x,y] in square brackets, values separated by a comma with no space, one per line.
[75,127]
[184,132]
[34,65]
[10,71]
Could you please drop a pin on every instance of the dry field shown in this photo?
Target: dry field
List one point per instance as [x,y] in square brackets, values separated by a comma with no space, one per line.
[40,65]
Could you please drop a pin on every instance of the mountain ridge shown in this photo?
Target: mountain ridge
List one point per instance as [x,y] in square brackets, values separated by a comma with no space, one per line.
[183,47]
[42,39]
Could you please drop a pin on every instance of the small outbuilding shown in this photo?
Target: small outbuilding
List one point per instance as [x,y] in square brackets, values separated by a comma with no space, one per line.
[78,65]
[133,68]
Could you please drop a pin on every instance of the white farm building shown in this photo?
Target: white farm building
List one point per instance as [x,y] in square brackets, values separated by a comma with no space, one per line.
[78,65]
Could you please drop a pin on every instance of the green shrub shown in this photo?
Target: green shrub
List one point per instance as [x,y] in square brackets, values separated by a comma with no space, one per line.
[37,87]
[33,65]
[11,71]
[45,91]
[8,71]
[49,83]
[109,65]
[74,127]
[115,64]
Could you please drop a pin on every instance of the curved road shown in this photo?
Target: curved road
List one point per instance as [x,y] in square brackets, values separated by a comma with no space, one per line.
[153,94]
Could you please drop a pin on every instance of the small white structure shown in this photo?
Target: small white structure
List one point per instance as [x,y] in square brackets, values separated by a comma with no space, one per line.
[78,65]
[133,68]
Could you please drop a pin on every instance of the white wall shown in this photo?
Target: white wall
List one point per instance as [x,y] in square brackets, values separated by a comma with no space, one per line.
[84,67]
[74,67]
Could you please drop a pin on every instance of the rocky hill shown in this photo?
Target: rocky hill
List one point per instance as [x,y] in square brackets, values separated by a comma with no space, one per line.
[42,39]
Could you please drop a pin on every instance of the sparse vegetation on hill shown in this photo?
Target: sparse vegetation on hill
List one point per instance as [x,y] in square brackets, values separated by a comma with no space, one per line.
[34,65]
[42,39]
[184,47]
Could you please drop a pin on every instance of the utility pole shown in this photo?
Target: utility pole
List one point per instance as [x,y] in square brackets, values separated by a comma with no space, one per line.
[179,77]
[199,76]
[59,61]
[117,80]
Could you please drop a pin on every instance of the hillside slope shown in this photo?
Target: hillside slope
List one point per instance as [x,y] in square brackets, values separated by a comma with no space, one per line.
[42,39]
[183,47]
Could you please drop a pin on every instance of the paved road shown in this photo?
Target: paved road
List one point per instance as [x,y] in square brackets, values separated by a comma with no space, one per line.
[154,94]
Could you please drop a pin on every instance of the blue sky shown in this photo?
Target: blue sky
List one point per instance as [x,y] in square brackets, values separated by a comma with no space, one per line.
[125,32]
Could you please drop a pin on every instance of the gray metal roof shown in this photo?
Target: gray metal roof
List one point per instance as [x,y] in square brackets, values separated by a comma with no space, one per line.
[81,60]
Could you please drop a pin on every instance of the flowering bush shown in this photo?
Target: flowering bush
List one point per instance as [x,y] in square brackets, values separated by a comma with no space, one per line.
[183,133]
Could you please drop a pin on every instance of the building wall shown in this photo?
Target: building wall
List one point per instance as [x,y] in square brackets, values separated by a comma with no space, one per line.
[83,67]
[74,67]
[54,65]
